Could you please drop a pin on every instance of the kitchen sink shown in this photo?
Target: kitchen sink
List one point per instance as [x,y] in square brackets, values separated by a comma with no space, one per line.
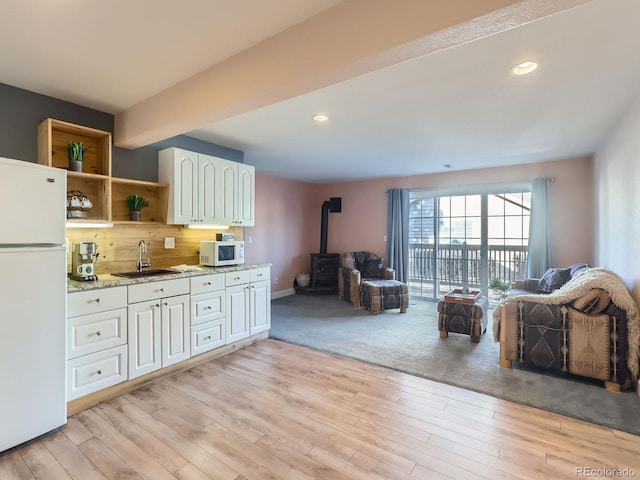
[144,273]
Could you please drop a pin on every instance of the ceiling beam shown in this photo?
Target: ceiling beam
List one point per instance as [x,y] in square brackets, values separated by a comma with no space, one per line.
[351,39]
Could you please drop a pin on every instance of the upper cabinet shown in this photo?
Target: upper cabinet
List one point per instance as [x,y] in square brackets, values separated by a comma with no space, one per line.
[237,192]
[107,195]
[207,190]
[191,177]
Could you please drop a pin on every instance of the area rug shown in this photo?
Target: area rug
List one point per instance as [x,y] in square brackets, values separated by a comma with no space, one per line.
[411,343]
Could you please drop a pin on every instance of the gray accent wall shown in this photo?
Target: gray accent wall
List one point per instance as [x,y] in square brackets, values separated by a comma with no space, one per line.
[21,111]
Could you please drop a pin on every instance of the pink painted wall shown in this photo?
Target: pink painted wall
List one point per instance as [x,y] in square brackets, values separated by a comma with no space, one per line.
[282,235]
[288,213]
[362,224]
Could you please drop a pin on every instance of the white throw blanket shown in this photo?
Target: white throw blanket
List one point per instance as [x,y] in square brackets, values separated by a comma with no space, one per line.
[580,285]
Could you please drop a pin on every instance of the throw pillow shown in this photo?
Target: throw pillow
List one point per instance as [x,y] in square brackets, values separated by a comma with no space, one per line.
[593,302]
[577,268]
[372,268]
[553,279]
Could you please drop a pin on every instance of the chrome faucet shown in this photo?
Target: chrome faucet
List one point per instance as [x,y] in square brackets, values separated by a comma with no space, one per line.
[142,248]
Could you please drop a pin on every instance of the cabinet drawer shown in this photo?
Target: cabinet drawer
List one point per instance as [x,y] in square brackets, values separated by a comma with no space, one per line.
[96,371]
[207,283]
[207,336]
[258,274]
[237,278]
[152,290]
[99,331]
[94,301]
[207,306]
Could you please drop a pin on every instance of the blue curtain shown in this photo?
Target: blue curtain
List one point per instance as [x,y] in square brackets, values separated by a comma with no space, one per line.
[540,257]
[398,231]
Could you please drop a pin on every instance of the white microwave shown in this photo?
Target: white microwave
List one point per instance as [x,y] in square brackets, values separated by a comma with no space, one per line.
[219,254]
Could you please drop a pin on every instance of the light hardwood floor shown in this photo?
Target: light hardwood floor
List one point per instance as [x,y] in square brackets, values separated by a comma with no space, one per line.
[274,410]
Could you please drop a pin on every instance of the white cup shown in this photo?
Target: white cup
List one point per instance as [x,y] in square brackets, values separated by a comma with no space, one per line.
[86,203]
[75,201]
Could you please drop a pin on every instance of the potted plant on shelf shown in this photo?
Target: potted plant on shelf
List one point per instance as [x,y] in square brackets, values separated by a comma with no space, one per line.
[76,151]
[136,203]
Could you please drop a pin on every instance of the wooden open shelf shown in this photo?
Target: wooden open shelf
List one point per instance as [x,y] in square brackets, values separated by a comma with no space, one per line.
[108,194]
[96,188]
[155,193]
[55,135]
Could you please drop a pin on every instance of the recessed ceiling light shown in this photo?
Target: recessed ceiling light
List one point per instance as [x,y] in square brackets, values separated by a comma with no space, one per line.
[320,117]
[524,68]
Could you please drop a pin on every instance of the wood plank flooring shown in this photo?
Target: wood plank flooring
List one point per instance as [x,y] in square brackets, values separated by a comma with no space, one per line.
[280,411]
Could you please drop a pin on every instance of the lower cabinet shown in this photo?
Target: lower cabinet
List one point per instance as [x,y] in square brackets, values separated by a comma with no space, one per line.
[121,333]
[96,371]
[238,313]
[248,297]
[158,334]
[159,329]
[96,340]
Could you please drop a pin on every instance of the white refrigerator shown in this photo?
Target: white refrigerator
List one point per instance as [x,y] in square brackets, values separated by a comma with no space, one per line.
[33,266]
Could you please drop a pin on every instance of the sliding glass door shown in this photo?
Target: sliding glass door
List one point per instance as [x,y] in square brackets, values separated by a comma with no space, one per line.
[478,240]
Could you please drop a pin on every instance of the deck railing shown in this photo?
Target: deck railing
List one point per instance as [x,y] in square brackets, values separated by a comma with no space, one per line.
[446,264]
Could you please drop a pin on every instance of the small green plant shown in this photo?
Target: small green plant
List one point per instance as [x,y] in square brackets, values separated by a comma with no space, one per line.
[76,151]
[137,203]
[501,288]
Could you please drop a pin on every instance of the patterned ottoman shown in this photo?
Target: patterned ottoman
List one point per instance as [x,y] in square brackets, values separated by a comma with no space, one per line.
[383,295]
[470,319]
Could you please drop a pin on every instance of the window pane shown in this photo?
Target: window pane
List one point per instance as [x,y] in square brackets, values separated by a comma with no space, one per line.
[496,206]
[473,206]
[457,206]
[513,227]
[496,227]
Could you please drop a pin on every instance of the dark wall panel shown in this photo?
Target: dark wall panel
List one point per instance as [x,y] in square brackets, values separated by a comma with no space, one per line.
[21,111]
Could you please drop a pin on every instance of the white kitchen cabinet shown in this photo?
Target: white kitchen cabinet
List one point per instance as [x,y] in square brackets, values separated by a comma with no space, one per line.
[192,179]
[207,190]
[159,326]
[207,313]
[237,319]
[237,193]
[260,291]
[145,337]
[248,298]
[96,340]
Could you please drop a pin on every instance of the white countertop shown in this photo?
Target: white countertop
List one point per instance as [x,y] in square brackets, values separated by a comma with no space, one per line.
[108,280]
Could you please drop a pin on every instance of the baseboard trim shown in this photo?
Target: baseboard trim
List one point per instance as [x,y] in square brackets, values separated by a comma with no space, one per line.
[282,293]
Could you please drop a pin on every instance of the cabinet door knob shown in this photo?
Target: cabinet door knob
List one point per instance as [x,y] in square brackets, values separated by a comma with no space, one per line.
[208,337]
[207,283]
[162,289]
[166,304]
[98,300]
[98,333]
[207,308]
[157,305]
[99,372]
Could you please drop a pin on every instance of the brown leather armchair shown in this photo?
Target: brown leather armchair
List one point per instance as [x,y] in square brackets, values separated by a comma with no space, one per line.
[358,266]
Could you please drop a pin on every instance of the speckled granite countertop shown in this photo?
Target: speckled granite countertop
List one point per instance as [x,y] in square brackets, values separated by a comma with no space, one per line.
[108,281]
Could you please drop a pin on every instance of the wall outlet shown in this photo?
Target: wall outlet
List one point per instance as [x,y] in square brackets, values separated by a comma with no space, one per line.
[169,242]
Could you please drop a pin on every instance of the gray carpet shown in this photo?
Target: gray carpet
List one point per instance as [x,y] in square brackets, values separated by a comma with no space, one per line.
[411,343]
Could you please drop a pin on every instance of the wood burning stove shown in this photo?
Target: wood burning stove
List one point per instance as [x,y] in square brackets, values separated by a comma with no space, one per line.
[324,266]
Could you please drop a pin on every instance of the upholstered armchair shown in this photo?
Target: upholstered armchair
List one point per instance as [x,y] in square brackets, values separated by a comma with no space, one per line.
[358,266]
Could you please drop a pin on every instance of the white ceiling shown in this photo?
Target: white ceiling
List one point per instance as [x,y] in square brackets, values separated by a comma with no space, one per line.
[458,107]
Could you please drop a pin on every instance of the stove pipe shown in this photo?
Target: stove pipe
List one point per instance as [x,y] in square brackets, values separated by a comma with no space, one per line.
[332,205]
